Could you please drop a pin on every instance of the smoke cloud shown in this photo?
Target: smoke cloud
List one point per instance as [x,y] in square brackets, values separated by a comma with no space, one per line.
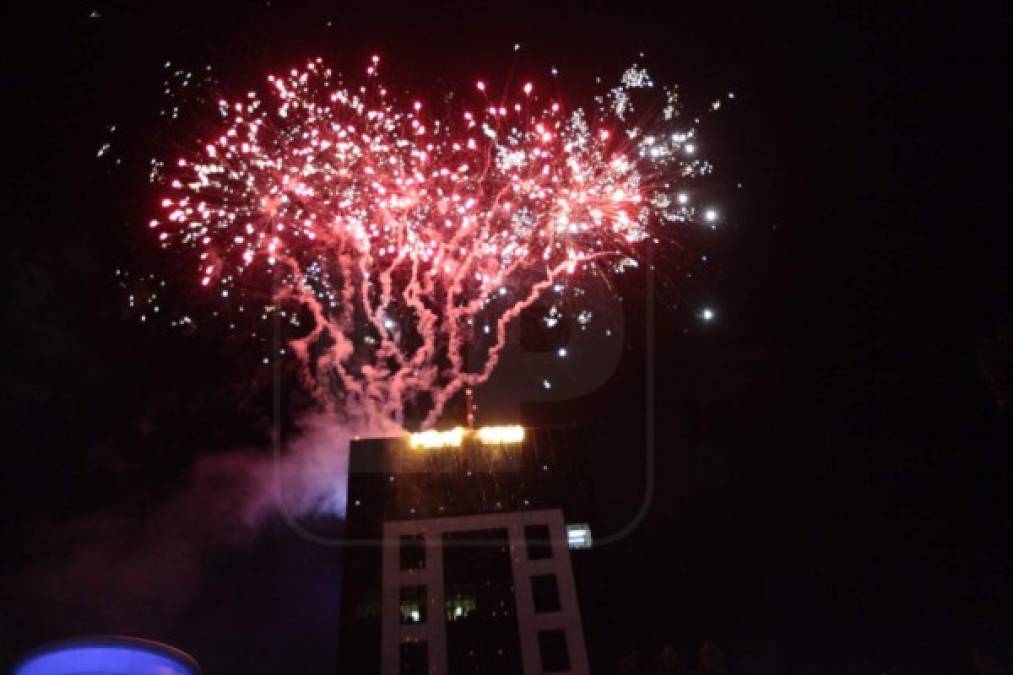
[135,572]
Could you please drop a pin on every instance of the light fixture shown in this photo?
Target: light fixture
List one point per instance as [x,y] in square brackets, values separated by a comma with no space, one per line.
[578,535]
[437,439]
[453,438]
[501,435]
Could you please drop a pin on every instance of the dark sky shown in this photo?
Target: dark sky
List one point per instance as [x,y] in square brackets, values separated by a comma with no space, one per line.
[833,473]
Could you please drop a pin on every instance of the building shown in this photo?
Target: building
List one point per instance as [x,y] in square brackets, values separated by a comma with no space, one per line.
[466,552]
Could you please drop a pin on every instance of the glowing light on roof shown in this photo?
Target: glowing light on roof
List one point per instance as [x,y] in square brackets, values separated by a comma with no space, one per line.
[437,439]
[498,435]
[453,438]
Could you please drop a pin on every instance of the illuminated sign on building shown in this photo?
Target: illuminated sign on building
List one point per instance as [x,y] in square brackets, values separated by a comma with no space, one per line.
[578,535]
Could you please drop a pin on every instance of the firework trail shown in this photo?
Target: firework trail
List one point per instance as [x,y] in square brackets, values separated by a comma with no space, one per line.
[401,243]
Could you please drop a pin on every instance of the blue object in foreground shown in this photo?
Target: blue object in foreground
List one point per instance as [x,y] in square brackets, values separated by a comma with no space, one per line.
[107,656]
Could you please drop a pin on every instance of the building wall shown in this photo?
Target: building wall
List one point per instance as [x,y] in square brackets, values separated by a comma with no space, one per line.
[393,489]
[433,631]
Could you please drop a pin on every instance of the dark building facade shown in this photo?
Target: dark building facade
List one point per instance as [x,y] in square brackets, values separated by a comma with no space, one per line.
[470,552]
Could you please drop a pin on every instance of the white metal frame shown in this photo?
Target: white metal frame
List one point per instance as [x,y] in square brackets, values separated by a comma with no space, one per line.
[434,631]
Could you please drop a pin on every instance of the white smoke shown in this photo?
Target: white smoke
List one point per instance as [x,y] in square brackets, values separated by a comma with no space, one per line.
[305,477]
[147,568]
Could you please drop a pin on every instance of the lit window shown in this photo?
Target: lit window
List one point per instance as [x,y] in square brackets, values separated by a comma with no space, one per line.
[413,604]
[460,607]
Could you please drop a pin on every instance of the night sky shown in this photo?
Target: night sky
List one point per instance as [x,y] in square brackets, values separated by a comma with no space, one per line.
[834,472]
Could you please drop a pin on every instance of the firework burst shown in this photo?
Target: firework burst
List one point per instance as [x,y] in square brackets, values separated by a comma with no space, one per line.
[407,240]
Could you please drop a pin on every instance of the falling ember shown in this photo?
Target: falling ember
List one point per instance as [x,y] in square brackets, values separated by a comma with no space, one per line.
[404,236]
